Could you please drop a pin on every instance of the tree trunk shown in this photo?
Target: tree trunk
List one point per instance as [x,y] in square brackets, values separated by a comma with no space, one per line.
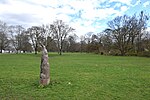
[35,50]
[44,73]
[122,52]
[1,49]
[60,52]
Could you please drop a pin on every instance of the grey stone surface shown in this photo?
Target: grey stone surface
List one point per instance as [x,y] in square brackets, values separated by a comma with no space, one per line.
[45,67]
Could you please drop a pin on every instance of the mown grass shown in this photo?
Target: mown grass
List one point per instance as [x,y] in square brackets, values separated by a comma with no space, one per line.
[75,77]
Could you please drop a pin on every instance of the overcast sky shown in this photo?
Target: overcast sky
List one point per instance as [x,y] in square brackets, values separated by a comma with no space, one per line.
[83,15]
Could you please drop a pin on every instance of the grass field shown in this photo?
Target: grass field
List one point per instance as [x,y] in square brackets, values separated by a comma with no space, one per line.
[75,77]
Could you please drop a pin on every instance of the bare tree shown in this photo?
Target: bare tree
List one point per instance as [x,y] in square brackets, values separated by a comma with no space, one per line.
[141,26]
[127,32]
[4,42]
[82,44]
[19,37]
[25,42]
[60,31]
[16,36]
[88,40]
[35,36]
[146,41]
[119,27]
[107,43]
[72,42]
[41,34]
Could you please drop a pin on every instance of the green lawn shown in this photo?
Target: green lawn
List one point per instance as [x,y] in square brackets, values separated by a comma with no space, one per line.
[75,77]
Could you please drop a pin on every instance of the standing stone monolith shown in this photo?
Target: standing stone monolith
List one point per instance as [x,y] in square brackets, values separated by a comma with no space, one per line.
[44,67]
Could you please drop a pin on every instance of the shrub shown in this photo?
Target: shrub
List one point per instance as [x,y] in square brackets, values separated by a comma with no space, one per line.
[131,54]
[144,54]
[114,53]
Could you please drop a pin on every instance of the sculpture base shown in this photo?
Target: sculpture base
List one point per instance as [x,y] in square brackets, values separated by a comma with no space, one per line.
[44,81]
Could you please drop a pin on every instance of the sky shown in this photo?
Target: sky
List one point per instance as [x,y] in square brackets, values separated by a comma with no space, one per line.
[82,15]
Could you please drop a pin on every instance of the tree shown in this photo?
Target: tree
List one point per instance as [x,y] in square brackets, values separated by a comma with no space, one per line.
[88,40]
[127,32]
[4,42]
[35,36]
[16,36]
[95,45]
[72,43]
[141,26]
[146,41]
[119,29]
[51,45]
[82,44]
[25,42]
[60,31]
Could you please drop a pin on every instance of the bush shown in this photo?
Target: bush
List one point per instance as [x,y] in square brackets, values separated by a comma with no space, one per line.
[131,54]
[114,53]
[96,51]
[144,54]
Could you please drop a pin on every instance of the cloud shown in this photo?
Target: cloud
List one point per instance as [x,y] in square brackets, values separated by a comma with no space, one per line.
[124,8]
[131,3]
[117,5]
[146,4]
[127,2]
[83,15]
[3,1]
[23,10]
[148,29]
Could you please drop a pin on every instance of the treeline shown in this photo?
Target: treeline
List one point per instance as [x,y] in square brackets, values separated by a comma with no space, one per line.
[18,39]
[125,35]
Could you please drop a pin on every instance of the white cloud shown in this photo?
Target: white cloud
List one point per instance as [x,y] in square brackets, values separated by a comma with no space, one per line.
[124,8]
[18,8]
[137,2]
[127,2]
[117,5]
[80,14]
[146,4]
[148,29]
